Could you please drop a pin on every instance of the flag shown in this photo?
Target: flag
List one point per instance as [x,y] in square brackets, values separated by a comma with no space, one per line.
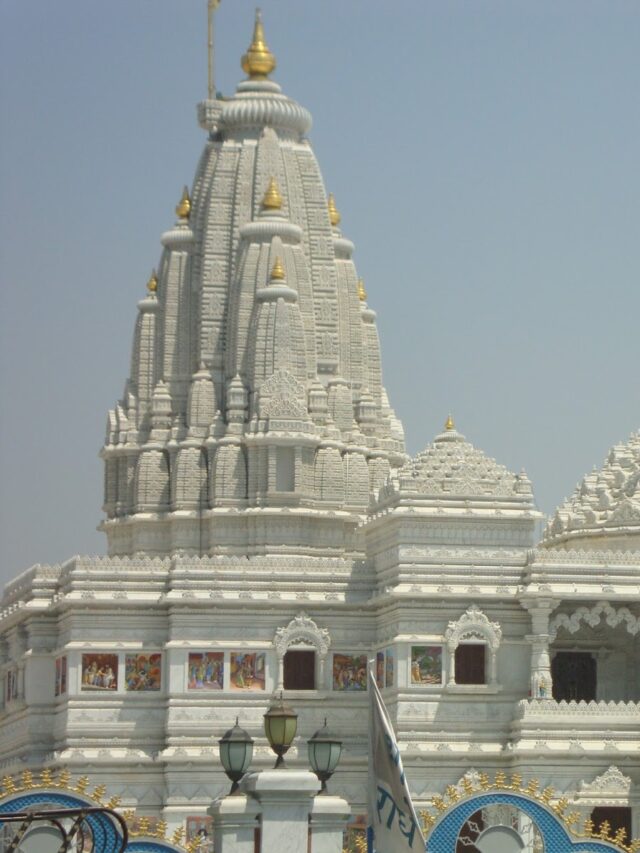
[391,813]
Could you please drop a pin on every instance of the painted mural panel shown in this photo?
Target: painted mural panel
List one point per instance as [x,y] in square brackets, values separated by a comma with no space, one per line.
[349,672]
[99,671]
[390,665]
[143,672]
[61,676]
[380,669]
[426,664]
[206,671]
[247,671]
[199,830]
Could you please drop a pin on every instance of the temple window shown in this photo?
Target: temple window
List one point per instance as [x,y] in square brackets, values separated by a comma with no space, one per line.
[473,642]
[470,663]
[574,677]
[302,649]
[300,669]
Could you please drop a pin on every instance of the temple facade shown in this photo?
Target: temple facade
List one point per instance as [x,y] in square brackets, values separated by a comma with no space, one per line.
[267,531]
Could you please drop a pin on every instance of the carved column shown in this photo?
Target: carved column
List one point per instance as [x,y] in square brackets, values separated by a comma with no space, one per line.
[541,683]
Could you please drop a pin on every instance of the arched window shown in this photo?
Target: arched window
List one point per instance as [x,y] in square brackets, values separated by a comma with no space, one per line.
[473,641]
[302,649]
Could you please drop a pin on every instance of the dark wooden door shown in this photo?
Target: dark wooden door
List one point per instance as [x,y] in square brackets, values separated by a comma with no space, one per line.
[300,670]
[470,664]
[574,676]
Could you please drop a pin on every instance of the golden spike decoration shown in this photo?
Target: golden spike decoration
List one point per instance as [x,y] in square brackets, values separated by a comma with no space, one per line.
[362,293]
[516,781]
[183,208]
[589,826]
[144,825]
[547,795]
[427,819]
[63,778]
[82,784]
[98,793]
[272,200]
[561,806]
[605,829]
[277,272]
[152,284]
[449,424]
[8,784]
[27,779]
[334,213]
[161,829]
[467,785]
[439,804]
[258,62]
[532,787]
[178,835]
[572,819]
[501,779]
[485,782]
[453,793]
[620,836]
[634,847]
[114,802]
[129,815]
[46,777]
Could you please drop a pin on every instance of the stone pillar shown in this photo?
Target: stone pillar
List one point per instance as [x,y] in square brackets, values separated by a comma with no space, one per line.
[541,684]
[285,799]
[452,663]
[329,816]
[235,821]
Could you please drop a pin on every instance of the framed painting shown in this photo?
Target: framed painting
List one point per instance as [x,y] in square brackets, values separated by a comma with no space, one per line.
[206,671]
[99,671]
[247,671]
[143,672]
[426,664]
[380,669]
[349,672]
[390,665]
[199,830]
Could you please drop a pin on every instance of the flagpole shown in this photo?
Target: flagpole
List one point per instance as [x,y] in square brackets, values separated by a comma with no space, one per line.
[370,760]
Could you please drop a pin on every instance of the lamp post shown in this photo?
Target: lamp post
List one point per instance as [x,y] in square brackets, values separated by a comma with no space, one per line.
[236,751]
[280,726]
[324,753]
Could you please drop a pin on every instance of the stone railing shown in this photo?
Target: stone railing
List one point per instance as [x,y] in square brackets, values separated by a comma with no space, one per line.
[528,708]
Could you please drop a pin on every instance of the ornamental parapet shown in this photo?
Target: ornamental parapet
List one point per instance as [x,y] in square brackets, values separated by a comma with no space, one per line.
[620,710]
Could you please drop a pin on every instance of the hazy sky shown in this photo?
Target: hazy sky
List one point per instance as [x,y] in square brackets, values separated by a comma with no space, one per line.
[484,157]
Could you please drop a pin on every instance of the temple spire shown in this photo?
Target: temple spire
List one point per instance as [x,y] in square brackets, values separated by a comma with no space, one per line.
[258,62]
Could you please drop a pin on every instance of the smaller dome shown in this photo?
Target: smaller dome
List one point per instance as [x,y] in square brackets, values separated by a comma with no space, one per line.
[604,510]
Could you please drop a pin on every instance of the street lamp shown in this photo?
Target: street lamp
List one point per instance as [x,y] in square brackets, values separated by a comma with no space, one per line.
[236,751]
[280,726]
[324,753]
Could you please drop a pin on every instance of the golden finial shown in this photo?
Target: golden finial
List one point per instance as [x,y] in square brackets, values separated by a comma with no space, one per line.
[449,423]
[277,273]
[272,199]
[334,213]
[258,62]
[362,293]
[183,208]
[152,284]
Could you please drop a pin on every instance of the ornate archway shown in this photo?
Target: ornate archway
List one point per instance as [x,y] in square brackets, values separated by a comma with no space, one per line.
[473,625]
[301,632]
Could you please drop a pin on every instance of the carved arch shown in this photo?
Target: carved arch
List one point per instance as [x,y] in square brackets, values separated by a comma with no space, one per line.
[473,625]
[302,631]
[592,616]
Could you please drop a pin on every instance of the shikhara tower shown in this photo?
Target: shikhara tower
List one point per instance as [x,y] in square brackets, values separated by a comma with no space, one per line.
[254,420]
[266,530]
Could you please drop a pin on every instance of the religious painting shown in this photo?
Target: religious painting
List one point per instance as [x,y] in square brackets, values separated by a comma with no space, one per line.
[99,672]
[247,671]
[426,664]
[206,671]
[349,672]
[61,676]
[380,669]
[200,832]
[390,661]
[143,672]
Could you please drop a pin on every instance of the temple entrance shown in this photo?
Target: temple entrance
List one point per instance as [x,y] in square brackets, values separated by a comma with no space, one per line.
[574,677]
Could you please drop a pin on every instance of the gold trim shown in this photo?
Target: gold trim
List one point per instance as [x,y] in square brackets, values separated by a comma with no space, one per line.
[258,62]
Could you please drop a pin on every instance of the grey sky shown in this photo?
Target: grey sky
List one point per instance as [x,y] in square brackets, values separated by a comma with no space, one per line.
[484,157]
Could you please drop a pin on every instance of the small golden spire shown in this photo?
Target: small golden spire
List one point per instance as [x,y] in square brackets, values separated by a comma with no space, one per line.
[152,284]
[362,293]
[449,423]
[258,62]
[277,273]
[334,213]
[183,208]
[272,199]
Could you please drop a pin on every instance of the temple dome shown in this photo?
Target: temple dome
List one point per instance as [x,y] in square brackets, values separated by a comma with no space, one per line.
[604,511]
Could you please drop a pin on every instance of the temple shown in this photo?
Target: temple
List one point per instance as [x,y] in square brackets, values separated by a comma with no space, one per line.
[267,531]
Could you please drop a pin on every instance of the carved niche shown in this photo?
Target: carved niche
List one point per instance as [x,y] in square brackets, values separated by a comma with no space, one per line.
[302,631]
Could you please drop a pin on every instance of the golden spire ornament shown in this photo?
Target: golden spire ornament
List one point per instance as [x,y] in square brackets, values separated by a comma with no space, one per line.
[277,273]
[272,200]
[362,293]
[183,208]
[152,284]
[258,62]
[334,213]
[449,425]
